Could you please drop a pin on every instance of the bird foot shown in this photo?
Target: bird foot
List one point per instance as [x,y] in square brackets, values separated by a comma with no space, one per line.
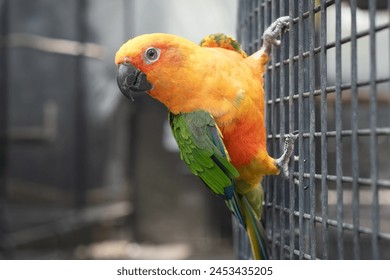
[282,162]
[276,29]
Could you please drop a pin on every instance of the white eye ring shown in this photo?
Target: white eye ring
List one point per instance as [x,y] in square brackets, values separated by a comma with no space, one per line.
[151,55]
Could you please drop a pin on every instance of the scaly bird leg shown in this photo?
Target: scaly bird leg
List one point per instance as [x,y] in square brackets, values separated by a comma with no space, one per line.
[270,38]
[271,34]
[282,162]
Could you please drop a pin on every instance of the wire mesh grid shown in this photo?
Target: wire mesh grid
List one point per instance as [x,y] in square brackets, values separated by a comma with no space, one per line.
[330,80]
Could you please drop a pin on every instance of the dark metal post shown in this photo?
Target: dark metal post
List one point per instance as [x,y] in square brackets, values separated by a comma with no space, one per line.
[3,124]
[80,131]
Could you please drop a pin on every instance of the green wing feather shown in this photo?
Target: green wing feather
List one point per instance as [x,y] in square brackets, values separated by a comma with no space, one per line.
[202,149]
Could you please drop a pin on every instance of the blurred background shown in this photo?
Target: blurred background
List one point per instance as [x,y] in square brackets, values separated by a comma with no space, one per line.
[84,172]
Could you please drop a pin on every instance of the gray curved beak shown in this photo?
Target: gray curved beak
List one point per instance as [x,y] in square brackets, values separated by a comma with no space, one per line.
[130,79]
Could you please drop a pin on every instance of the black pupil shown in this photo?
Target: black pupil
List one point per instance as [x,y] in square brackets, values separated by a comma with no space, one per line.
[151,53]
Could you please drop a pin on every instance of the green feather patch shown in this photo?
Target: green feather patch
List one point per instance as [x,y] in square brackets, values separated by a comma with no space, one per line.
[220,40]
[202,149]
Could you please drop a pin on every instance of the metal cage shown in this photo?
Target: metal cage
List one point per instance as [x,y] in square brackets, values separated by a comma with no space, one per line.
[329,79]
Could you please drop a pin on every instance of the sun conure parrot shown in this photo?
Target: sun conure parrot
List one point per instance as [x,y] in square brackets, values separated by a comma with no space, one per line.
[215,97]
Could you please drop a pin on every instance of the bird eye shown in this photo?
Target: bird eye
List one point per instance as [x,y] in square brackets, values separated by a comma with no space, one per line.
[152,55]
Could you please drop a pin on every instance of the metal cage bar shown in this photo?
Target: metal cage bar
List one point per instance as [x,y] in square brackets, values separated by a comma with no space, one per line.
[373,134]
[354,136]
[339,128]
[312,150]
[282,121]
[301,128]
[335,203]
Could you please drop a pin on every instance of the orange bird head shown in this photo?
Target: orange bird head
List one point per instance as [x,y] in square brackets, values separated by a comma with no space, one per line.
[160,64]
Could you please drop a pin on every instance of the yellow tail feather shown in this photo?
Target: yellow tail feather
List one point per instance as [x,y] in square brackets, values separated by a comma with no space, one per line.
[254,228]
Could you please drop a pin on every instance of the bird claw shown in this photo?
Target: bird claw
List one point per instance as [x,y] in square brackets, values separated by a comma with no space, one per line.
[276,29]
[282,162]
